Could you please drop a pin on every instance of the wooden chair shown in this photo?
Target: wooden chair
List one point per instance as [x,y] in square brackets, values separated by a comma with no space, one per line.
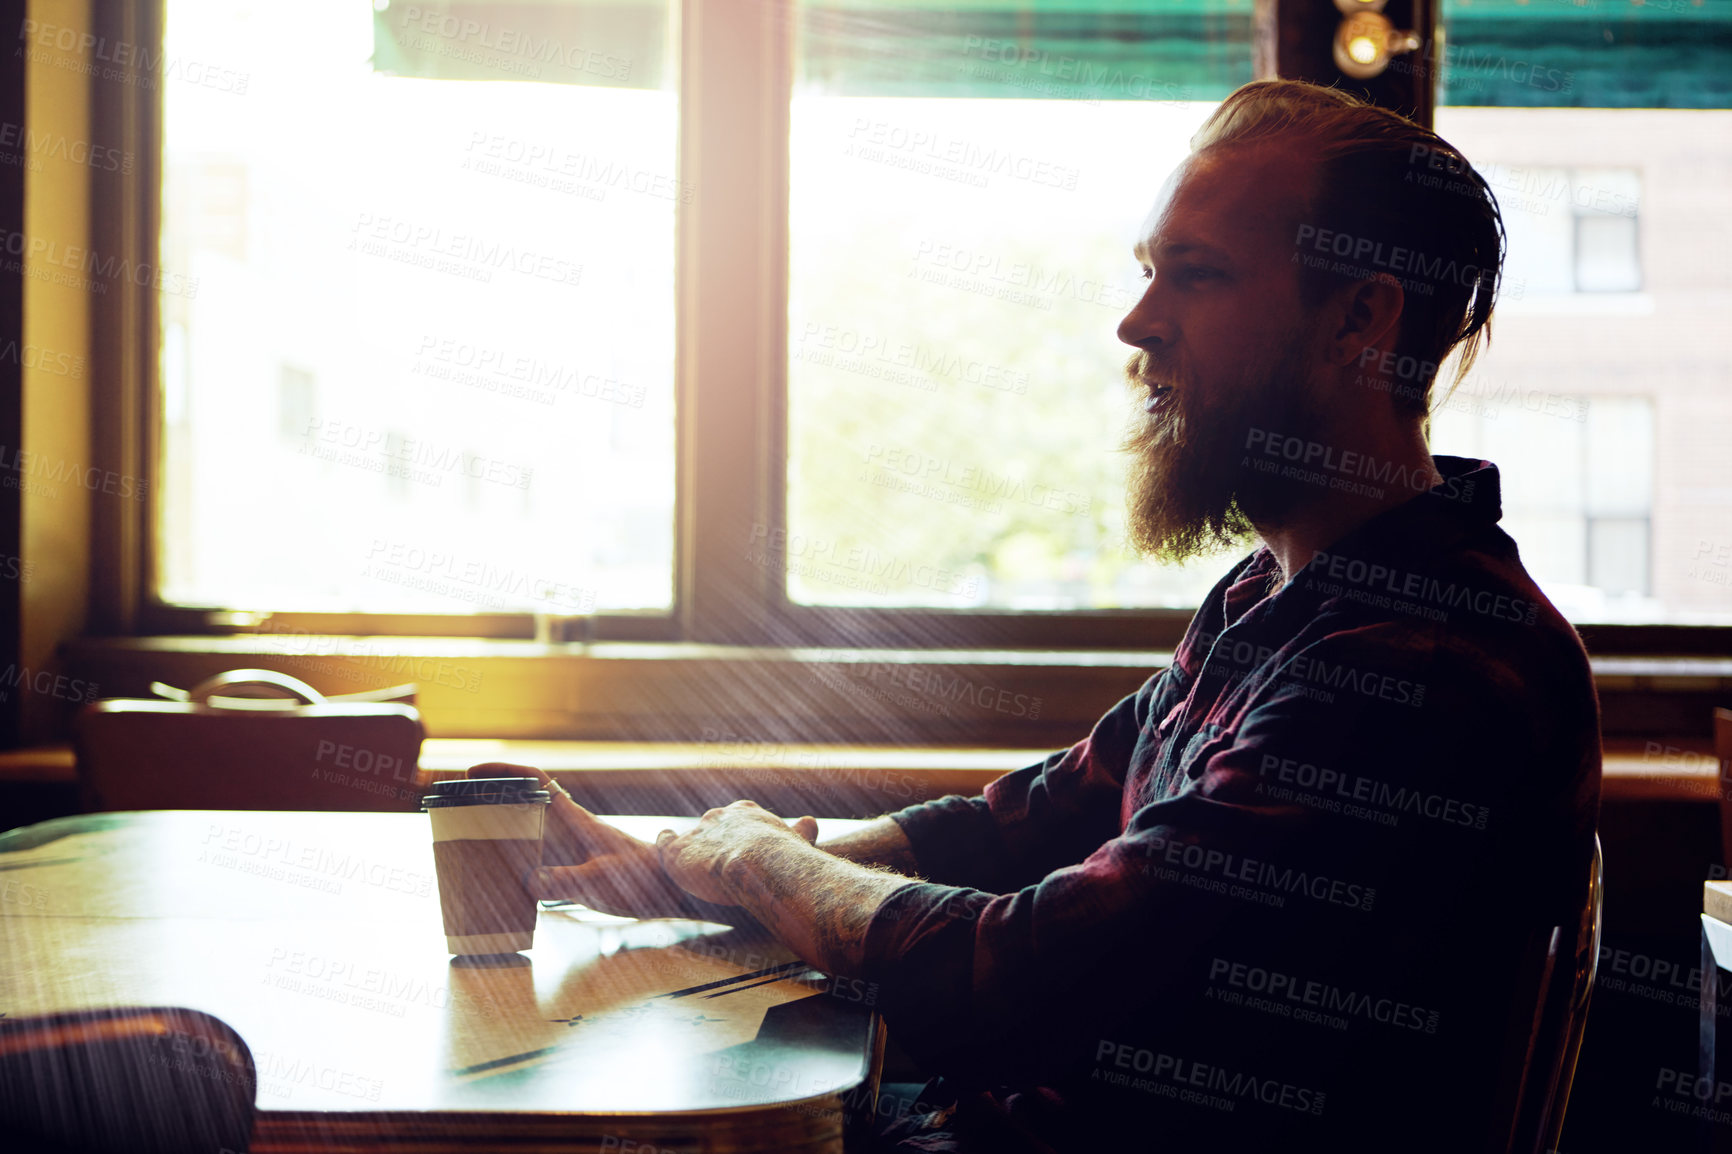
[1541,1089]
[125,1081]
[216,749]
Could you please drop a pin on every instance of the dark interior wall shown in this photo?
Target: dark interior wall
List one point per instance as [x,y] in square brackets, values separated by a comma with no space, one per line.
[12,110]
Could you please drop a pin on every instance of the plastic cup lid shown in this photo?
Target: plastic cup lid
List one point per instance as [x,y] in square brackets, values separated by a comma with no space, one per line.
[486,791]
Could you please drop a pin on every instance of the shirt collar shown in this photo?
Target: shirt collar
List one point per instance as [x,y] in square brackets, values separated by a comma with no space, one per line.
[1468,500]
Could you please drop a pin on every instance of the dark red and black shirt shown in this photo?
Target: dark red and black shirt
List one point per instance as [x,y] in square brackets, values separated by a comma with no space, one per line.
[1280,891]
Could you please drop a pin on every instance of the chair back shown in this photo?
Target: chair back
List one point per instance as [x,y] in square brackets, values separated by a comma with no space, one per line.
[229,752]
[1559,1017]
[1723,763]
[139,1080]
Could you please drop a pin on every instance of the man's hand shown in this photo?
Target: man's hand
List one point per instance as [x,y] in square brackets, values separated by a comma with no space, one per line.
[704,860]
[584,859]
[741,861]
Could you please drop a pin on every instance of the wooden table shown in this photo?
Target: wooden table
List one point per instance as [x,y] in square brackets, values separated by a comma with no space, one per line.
[317,937]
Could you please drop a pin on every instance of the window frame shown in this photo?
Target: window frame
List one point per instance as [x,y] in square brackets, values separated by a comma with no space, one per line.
[731,367]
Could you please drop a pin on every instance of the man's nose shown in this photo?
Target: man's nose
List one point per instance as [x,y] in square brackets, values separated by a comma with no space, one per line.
[1147,324]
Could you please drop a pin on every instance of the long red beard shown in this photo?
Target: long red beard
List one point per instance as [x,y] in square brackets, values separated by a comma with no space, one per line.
[1189,492]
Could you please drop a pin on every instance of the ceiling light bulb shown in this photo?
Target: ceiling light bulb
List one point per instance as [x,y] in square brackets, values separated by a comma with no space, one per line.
[1362,45]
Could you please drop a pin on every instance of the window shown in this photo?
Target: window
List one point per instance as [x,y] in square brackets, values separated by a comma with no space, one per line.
[1578,483]
[826,354]
[1603,394]
[1606,253]
[429,322]
[955,387]
[1571,230]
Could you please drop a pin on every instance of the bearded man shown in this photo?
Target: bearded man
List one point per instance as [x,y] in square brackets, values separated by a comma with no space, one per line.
[1282,893]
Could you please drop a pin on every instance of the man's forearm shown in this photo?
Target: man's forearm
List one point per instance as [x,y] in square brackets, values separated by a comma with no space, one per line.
[816,903]
[880,842]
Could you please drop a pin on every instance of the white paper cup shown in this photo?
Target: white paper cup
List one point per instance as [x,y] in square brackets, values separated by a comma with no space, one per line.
[486,838]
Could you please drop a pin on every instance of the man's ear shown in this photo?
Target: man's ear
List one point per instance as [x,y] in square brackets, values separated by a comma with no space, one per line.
[1368,316]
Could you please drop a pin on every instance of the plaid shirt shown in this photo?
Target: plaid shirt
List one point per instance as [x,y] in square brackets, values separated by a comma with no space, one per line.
[1280,890]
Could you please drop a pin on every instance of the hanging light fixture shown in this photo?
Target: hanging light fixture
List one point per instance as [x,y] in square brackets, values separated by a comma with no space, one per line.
[1365,40]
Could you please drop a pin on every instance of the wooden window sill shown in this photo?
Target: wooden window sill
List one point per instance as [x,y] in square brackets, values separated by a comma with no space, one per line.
[643,692]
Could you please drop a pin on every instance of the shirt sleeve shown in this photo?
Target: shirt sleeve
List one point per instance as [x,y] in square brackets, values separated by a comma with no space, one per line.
[1032,821]
[1020,985]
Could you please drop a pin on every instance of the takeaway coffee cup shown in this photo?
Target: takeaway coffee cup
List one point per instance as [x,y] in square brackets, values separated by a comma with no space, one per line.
[486,837]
